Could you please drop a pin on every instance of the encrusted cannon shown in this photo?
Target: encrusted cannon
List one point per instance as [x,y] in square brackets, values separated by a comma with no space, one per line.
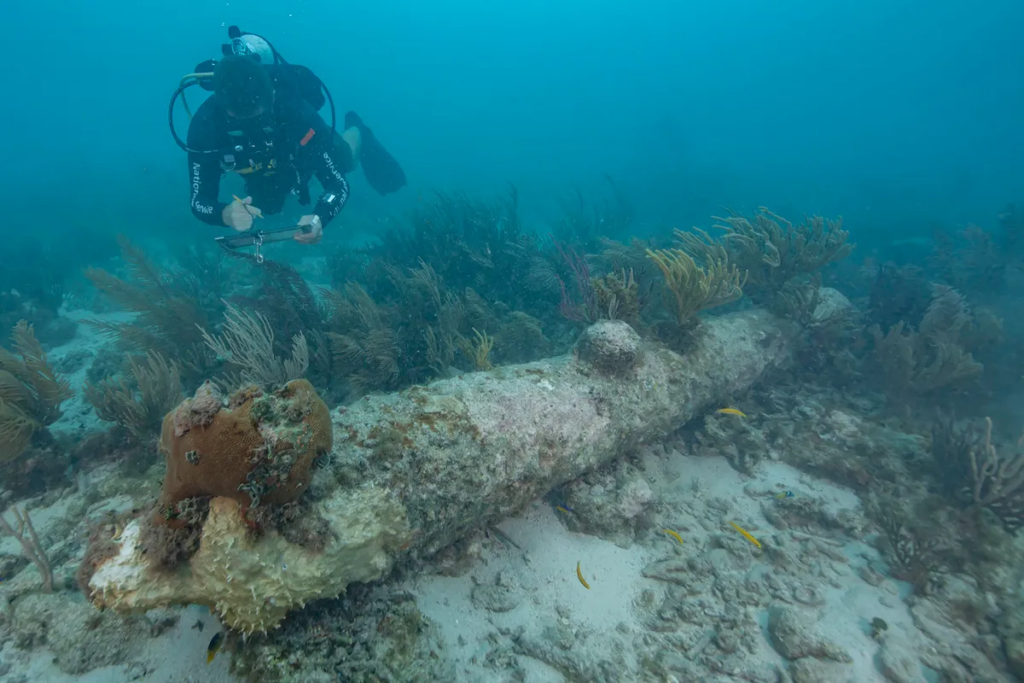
[414,471]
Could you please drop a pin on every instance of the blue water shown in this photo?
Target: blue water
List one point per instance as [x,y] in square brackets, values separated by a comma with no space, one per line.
[892,114]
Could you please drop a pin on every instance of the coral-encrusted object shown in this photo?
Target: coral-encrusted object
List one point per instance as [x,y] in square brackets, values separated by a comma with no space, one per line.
[254,448]
[480,447]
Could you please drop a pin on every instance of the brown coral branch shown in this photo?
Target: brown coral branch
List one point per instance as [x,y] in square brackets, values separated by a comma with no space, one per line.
[30,546]
[996,480]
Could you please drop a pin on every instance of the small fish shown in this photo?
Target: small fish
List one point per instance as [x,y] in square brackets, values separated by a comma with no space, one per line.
[730,411]
[564,508]
[198,625]
[746,534]
[674,534]
[785,494]
[214,647]
[579,575]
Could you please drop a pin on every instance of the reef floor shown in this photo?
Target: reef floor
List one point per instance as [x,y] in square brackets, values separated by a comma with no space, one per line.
[812,600]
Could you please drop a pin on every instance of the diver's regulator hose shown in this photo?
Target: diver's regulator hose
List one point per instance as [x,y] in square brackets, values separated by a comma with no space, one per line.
[188,80]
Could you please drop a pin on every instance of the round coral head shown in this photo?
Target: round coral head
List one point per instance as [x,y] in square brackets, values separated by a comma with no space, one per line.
[254,448]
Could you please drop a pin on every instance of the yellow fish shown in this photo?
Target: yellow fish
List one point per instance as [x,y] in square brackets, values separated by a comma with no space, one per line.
[746,534]
[579,575]
[730,411]
[214,647]
[674,534]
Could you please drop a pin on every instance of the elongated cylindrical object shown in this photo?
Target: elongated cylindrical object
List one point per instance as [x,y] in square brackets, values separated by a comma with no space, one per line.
[414,471]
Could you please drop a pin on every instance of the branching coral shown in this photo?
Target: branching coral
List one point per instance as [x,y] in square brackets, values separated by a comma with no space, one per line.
[619,297]
[691,288]
[247,342]
[138,402]
[203,272]
[997,481]
[169,321]
[30,392]
[915,557]
[442,312]
[478,350]
[378,346]
[288,303]
[773,251]
[401,309]
[367,351]
[932,357]
[973,471]
[469,244]
[31,546]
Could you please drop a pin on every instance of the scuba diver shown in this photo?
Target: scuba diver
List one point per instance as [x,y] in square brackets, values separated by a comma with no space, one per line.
[262,122]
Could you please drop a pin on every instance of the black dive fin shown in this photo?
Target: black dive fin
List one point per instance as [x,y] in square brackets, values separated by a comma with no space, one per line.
[380,168]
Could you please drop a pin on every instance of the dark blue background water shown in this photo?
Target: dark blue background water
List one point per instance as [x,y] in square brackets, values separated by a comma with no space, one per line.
[892,113]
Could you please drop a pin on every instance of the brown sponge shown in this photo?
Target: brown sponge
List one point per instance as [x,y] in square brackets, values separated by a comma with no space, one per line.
[254,448]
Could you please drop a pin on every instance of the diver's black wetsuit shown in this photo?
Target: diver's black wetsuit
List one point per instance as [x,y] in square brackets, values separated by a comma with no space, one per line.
[302,145]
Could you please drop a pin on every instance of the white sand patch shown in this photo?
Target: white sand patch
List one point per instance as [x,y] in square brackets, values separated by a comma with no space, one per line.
[553,551]
[545,568]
